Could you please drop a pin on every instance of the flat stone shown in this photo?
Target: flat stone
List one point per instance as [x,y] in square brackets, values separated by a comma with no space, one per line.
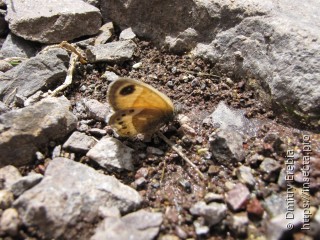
[212,212]
[105,34]
[238,197]
[239,224]
[275,204]
[280,225]
[226,146]
[25,183]
[28,129]
[127,34]
[114,52]
[226,117]
[138,225]
[53,22]
[47,69]
[143,219]
[79,142]
[15,46]
[71,194]
[97,132]
[110,152]
[110,76]
[9,175]
[97,110]
[271,169]
[245,176]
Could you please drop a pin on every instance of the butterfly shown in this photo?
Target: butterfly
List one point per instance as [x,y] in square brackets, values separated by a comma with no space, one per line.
[138,108]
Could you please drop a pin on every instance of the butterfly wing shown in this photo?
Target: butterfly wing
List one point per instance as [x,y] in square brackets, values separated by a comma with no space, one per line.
[130,122]
[127,93]
[139,108]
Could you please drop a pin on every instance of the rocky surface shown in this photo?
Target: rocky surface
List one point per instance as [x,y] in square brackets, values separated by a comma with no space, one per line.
[53,21]
[71,194]
[110,152]
[26,130]
[247,39]
[114,52]
[51,70]
[78,179]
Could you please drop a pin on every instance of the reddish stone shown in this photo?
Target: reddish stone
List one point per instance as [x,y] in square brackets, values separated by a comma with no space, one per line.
[254,209]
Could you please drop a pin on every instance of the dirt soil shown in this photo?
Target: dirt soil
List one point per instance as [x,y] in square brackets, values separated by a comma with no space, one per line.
[172,187]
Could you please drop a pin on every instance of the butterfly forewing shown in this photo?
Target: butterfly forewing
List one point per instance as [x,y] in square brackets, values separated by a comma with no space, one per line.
[125,93]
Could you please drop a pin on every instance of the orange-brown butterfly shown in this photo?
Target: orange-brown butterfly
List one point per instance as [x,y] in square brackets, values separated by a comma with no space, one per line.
[138,107]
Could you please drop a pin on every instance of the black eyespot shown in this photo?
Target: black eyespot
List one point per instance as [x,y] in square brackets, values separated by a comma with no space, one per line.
[127,90]
[124,127]
[123,114]
[120,122]
[131,110]
[118,119]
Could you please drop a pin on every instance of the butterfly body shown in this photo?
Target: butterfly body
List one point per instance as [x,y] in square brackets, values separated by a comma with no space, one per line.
[138,107]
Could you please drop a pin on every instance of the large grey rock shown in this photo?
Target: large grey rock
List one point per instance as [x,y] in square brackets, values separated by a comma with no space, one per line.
[281,48]
[25,130]
[41,72]
[15,46]
[114,52]
[273,41]
[66,203]
[52,21]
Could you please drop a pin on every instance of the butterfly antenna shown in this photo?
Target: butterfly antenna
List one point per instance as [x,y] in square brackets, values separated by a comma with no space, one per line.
[188,161]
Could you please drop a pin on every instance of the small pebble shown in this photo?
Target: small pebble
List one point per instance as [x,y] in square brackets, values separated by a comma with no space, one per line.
[237,197]
[255,209]
[137,65]
[155,151]
[140,182]
[6,199]
[212,197]
[10,221]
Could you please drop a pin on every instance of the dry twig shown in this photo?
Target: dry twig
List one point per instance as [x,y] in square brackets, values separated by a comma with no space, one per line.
[188,161]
